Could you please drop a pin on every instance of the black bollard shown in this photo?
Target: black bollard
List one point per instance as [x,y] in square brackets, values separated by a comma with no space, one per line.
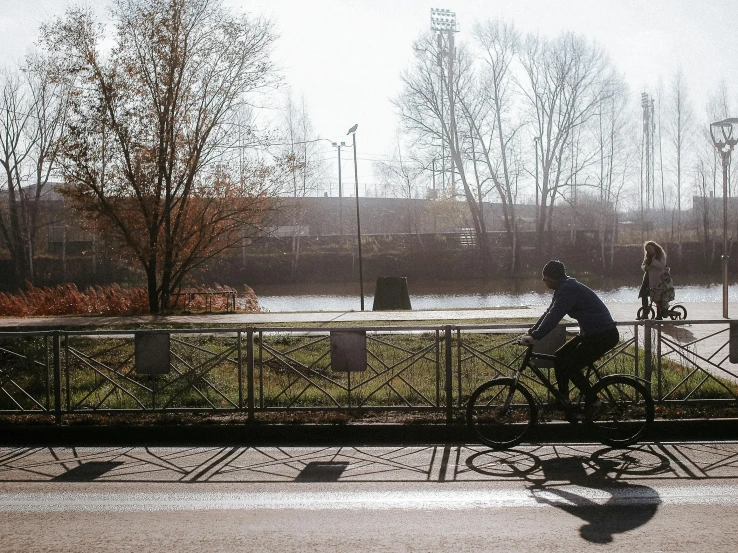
[391,294]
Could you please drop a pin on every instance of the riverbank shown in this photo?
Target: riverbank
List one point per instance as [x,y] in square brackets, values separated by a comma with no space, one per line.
[430,258]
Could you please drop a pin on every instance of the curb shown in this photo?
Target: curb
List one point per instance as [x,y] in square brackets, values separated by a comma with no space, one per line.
[347,434]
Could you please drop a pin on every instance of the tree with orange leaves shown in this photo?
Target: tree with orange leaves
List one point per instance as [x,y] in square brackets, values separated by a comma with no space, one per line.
[146,155]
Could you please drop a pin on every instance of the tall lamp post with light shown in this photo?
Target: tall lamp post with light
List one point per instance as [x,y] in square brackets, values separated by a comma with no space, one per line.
[725,136]
[352,132]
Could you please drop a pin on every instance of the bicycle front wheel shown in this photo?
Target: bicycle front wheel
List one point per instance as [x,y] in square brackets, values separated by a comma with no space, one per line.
[500,412]
[678,313]
[622,411]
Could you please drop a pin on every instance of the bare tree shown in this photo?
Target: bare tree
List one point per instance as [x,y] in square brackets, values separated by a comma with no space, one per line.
[679,132]
[708,169]
[612,129]
[306,167]
[401,175]
[441,84]
[703,209]
[495,130]
[565,81]
[34,109]
[718,107]
[148,123]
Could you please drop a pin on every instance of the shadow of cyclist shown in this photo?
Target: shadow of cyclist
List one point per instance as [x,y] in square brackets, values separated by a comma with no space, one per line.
[629,506]
[563,482]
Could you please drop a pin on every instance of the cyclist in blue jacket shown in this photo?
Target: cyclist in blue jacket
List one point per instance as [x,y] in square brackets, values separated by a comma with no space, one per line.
[597,331]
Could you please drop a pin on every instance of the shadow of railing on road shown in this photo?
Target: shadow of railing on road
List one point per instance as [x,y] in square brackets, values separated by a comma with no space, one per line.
[437,463]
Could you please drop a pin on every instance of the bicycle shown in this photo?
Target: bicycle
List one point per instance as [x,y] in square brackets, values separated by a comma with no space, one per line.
[502,410]
[676,312]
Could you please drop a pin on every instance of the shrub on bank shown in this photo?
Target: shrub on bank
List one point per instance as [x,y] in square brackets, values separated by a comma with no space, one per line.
[67,299]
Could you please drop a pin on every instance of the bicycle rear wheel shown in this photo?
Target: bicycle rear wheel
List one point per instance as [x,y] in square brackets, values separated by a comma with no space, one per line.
[646,312]
[500,412]
[625,413]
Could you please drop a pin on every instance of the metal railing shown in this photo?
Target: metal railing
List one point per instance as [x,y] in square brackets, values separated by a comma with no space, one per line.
[255,370]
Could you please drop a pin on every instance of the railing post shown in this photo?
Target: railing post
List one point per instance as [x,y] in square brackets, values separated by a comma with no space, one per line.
[458,364]
[57,377]
[49,373]
[636,350]
[250,372]
[647,357]
[239,339]
[659,389]
[449,377]
[438,368]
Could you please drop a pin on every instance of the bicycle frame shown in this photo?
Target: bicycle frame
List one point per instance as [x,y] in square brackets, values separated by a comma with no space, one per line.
[665,312]
[542,378]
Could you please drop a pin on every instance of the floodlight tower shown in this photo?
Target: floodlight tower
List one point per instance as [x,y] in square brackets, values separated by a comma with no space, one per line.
[444,22]
[652,157]
[647,183]
[648,189]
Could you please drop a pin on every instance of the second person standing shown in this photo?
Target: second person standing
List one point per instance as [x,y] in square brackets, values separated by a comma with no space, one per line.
[654,263]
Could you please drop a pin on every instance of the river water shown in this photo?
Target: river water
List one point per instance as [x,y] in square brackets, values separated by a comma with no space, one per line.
[472,294]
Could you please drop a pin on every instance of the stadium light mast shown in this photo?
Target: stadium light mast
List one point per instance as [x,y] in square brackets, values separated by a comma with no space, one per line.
[444,21]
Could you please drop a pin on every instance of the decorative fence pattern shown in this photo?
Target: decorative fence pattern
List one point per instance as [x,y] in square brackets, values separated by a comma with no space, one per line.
[259,370]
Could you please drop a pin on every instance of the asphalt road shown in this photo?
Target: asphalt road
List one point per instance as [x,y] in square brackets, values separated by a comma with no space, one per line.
[655,497]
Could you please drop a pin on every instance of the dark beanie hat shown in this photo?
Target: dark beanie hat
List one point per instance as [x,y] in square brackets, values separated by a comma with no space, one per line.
[554,269]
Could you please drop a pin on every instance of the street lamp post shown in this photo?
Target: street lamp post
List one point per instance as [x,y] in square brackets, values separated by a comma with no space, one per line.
[352,132]
[725,137]
[339,145]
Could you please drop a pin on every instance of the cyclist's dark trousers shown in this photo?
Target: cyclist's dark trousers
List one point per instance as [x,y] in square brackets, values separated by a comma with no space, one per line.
[576,354]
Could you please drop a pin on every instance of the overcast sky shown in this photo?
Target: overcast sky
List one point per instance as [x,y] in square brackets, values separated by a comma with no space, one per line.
[345,56]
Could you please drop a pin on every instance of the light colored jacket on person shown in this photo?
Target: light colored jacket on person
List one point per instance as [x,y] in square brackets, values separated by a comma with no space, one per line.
[654,270]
